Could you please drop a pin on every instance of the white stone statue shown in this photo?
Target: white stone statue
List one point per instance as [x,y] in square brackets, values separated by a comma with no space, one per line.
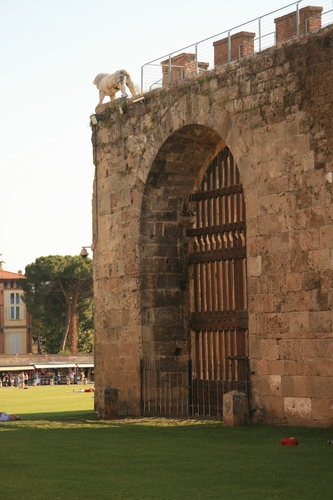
[110,84]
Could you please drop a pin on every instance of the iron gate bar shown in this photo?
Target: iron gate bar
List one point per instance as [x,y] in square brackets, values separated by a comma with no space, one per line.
[215,193]
[234,253]
[223,228]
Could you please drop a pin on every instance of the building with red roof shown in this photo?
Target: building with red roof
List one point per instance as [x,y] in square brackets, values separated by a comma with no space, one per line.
[15,322]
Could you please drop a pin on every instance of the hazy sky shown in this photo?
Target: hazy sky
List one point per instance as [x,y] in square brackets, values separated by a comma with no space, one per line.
[50,53]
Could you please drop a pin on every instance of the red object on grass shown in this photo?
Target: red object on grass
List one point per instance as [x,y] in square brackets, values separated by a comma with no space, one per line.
[289,442]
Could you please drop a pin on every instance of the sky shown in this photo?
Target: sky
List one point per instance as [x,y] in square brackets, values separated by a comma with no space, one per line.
[50,53]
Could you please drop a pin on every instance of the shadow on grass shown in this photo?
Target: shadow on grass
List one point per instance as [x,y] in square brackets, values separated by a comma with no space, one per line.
[61,416]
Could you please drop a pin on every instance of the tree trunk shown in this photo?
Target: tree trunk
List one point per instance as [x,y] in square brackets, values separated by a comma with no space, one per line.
[66,330]
[73,320]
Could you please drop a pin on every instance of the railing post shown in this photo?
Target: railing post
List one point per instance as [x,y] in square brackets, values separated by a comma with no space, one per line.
[189,387]
[259,34]
[142,79]
[229,47]
[297,19]
[196,59]
[169,69]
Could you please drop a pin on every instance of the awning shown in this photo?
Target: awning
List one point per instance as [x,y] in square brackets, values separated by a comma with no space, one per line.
[16,368]
[85,365]
[55,365]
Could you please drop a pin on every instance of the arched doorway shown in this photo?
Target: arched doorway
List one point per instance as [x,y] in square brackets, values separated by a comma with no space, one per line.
[192,236]
[219,318]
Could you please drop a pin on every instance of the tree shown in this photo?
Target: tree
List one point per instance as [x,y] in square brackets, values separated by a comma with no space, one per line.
[58,294]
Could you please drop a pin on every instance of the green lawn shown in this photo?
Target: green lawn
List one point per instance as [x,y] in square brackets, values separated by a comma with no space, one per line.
[59,450]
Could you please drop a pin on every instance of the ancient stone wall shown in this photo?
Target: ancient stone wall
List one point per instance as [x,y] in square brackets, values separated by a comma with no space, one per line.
[274,111]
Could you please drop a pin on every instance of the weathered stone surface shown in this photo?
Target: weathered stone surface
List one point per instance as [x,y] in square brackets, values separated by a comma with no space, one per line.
[106,402]
[235,409]
[273,110]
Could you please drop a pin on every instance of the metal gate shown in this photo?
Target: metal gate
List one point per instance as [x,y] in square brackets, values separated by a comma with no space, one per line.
[219,318]
[165,387]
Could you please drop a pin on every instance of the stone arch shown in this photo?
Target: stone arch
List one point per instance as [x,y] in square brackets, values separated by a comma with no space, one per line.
[175,172]
[197,112]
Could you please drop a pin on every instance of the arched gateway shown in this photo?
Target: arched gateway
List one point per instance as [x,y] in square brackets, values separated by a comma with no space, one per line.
[169,286]
[194,300]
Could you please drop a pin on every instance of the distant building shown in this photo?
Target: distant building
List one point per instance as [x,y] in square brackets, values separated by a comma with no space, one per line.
[15,322]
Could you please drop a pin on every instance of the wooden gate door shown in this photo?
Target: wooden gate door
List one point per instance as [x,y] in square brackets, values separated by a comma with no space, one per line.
[219,318]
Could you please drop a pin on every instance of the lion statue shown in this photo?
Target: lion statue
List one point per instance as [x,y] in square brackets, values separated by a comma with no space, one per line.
[110,84]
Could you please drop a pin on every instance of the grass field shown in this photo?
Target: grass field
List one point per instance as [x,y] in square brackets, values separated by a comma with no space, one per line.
[59,450]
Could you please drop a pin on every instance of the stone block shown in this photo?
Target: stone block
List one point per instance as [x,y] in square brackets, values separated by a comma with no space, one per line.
[276,367]
[106,402]
[320,321]
[320,259]
[326,237]
[299,322]
[293,281]
[116,318]
[309,240]
[303,387]
[254,346]
[146,333]
[322,409]
[235,409]
[298,408]
[288,388]
[263,367]
[290,367]
[268,204]
[274,385]
[273,408]
[269,349]
[254,266]
[323,387]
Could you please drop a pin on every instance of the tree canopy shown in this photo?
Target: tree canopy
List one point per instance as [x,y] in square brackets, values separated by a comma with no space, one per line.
[58,293]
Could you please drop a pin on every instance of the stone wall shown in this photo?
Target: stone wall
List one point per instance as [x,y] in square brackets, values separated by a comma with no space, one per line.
[274,111]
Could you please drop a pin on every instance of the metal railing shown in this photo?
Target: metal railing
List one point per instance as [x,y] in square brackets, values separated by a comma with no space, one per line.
[160,71]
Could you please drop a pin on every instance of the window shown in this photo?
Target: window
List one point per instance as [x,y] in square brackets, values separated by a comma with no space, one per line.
[15,307]
[5,284]
[18,285]
[15,343]
[12,284]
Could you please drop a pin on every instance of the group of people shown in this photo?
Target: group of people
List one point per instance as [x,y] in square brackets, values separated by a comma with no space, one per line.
[13,379]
